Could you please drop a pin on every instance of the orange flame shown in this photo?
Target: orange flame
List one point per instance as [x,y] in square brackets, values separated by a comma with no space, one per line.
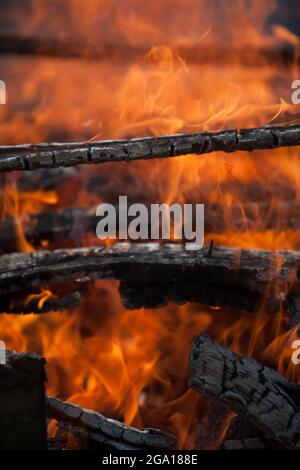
[134,364]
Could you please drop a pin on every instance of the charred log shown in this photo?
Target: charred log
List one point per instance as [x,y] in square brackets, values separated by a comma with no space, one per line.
[70,225]
[261,395]
[240,429]
[136,295]
[88,439]
[32,303]
[45,180]
[260,276]
[96,427]
[194,54]
[57,47]
[242,435]
[65,155]
[22,402]
[209,427]
[52,227]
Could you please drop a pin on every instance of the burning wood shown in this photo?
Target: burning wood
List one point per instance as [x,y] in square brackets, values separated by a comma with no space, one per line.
[51,226]
[137,295]
[22,402]
[74,223]
[240,429]
[96,427]
[134,365]
[90,439]
[194,54]
[263,396]
[40,303]
[45,179]
[33,157]
[241,278]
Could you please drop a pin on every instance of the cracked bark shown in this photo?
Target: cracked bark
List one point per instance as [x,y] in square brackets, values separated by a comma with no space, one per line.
[64,155]
[240,277]
[258,393]
[96,427]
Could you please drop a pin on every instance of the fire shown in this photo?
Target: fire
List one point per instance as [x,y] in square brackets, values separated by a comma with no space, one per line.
[42,297]
[133,365]
[18,205]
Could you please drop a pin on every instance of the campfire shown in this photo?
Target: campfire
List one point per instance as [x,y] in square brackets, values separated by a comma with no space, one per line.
[133,345]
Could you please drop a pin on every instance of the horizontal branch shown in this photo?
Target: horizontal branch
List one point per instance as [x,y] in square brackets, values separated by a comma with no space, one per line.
[92,425]
[57,155]
[258,393]
[256,275]
[74,223]
[124,53]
